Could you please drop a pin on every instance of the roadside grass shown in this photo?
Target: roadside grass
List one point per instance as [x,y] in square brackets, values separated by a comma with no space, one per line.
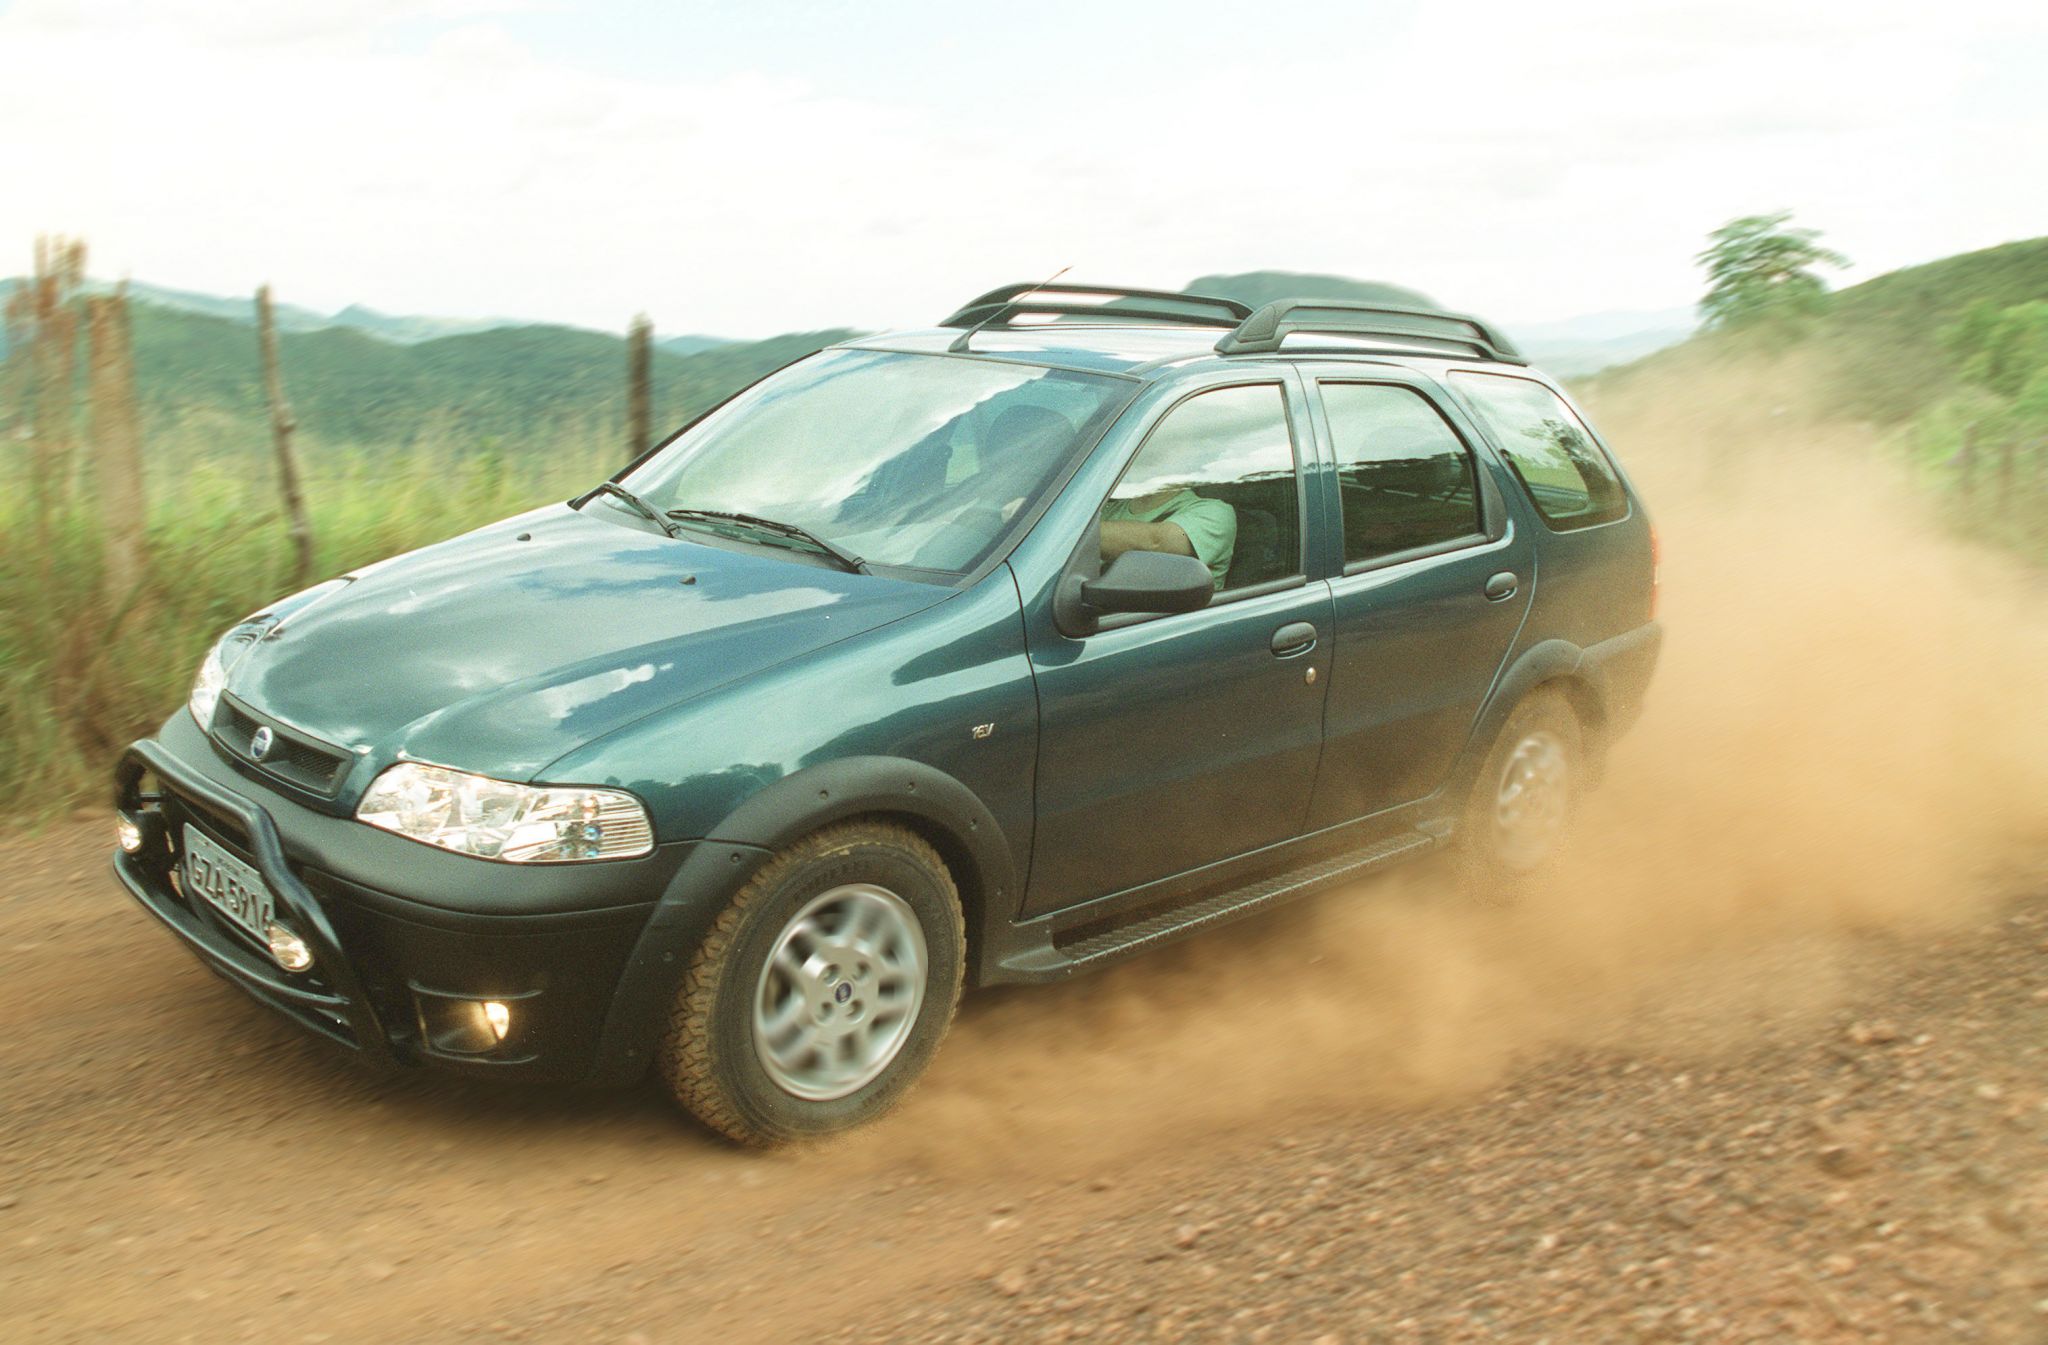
[84,671]
[1993,494]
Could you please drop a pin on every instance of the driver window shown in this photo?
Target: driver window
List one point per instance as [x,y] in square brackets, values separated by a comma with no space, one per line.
[1215,480]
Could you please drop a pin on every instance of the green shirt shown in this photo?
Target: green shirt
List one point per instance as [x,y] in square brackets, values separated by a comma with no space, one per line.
[1210,525]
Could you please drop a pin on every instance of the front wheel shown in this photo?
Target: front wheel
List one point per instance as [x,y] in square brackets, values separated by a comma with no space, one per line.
[1527,793]
[821,993]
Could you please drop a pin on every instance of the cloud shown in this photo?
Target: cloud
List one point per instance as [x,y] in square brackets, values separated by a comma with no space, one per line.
[1526,160]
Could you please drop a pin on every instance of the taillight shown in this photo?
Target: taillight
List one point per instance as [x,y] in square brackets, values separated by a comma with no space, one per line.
[1656,564]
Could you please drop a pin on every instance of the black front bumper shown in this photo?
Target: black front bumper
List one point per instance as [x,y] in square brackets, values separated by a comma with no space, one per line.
[388,969]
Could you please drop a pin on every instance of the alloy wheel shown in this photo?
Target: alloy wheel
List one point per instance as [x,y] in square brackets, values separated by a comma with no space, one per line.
[840,992]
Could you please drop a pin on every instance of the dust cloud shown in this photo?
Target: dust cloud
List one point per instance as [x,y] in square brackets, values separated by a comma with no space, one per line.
[1846,741]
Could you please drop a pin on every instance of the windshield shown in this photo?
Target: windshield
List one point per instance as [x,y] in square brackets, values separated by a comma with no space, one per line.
[911,460]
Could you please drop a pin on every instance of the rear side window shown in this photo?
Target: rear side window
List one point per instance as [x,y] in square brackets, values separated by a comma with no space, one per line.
[1405,478]
[1566,474]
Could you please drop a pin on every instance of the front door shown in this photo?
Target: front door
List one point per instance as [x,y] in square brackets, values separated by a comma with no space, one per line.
[1171,742]
[1435,584]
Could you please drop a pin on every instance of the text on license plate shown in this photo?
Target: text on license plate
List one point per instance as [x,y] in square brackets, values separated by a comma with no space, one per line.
[234,888]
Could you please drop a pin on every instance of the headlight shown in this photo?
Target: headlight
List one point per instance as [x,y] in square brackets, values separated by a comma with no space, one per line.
[492,819]
[206,688]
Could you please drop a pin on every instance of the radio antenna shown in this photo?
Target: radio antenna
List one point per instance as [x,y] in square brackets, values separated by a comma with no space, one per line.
[960,346]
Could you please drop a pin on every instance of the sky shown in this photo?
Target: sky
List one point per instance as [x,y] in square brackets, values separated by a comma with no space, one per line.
[751,168]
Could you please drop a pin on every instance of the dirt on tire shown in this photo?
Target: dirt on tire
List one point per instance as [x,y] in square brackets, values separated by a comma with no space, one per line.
[687,1057]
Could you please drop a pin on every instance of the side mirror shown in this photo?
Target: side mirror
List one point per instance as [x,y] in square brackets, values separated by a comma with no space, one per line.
[1150,581]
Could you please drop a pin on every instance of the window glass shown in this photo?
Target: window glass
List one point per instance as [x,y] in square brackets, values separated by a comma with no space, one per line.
[1219,470]
[1404,476]
[1563,470]
[913,460]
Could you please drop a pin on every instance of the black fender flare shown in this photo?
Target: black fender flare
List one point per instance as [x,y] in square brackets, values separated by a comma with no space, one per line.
[946,812]
[1546,661]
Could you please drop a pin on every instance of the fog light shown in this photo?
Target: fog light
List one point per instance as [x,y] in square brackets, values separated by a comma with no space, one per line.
[459,1025]
[131,835]
[288,949]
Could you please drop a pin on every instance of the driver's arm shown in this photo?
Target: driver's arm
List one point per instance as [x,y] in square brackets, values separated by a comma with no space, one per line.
[1121,535]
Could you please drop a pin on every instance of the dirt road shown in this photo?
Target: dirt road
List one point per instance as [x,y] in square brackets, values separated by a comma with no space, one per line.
[1766,1060]
[175,1164]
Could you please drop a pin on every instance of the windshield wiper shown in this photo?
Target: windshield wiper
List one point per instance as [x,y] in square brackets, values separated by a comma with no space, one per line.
[638,505]
[771,525]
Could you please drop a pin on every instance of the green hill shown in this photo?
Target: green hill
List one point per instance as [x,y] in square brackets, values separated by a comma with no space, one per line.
[535,386]
[1888,331]
[517,386]
[1880,343]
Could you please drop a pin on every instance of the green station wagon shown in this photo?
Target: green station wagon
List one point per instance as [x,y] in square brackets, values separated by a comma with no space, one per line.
[988,653]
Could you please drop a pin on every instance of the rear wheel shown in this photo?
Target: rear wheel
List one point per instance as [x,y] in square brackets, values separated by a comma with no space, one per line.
[1527,794]
[821,993]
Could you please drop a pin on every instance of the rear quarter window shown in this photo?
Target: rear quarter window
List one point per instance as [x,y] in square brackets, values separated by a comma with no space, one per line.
[1569,479]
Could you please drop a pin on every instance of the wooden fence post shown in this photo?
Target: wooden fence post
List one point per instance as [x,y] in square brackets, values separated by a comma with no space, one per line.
[41,314]
[281,427]
[639,386]
[116,429]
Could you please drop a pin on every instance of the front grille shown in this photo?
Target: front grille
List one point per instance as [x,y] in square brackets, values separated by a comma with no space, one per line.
[293,758]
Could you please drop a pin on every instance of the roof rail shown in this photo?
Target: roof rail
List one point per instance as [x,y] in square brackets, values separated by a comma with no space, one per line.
[1112,304]
[1264,331]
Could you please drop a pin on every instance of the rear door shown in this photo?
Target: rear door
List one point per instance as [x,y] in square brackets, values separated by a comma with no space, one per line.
[1597,562]
[1436,579]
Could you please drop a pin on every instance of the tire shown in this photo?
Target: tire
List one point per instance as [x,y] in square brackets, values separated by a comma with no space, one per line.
[765,1049]
[1541,745]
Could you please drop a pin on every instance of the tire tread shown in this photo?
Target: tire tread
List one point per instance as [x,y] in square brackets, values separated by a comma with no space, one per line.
[685,1059]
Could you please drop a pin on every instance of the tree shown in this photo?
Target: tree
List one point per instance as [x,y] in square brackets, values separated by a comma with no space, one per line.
[1758,268]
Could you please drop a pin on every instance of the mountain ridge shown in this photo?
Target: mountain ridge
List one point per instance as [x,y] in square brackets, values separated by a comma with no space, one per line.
[397,328]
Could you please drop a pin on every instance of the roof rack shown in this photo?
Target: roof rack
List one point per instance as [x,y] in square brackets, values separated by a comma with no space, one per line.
[1112,304]
[1264,331]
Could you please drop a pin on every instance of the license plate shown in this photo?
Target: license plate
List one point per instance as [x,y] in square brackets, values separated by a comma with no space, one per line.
[235,889]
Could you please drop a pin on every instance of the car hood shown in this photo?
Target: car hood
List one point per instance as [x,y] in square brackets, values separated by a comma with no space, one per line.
[504,648]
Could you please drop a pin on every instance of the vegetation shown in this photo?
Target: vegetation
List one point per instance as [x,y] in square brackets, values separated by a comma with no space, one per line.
[1892,357]
[521,387]
[1949,360]
[82,673]
[1760,270]
[113,581]
[1884,347]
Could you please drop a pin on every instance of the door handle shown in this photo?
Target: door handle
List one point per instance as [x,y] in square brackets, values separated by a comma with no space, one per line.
[1502,586]
[1294,638]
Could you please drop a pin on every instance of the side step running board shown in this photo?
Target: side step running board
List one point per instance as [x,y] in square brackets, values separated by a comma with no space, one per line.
[1119,940]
